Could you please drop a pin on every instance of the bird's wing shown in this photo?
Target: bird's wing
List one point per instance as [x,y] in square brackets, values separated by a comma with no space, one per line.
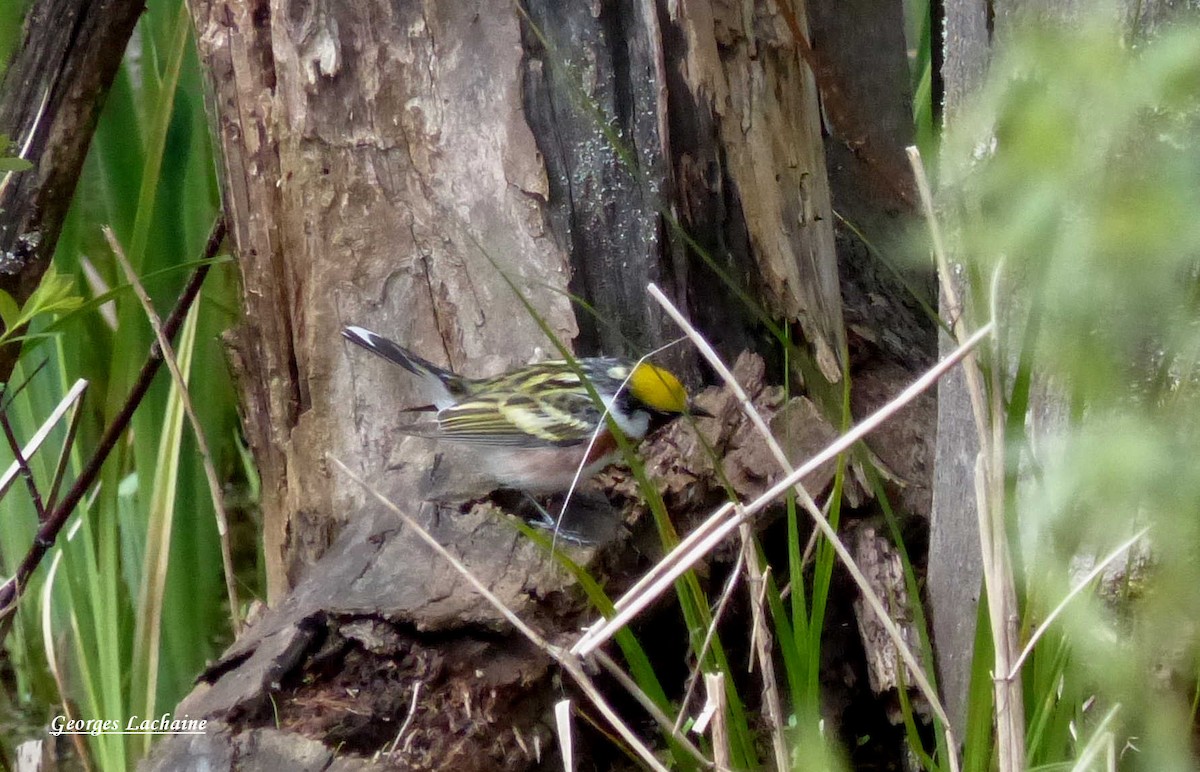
[520,420]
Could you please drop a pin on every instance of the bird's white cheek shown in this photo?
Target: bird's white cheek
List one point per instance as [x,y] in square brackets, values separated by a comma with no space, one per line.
[634,425]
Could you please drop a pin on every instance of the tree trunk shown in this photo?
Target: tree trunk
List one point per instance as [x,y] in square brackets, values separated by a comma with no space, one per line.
[380,168]
[417,169]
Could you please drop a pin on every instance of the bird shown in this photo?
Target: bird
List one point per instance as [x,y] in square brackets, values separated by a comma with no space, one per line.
[538,429]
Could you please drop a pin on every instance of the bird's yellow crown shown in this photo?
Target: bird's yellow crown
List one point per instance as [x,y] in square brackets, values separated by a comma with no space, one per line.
[657,389]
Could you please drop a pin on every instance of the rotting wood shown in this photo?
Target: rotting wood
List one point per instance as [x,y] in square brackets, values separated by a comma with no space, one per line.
[761,190]
[881,564]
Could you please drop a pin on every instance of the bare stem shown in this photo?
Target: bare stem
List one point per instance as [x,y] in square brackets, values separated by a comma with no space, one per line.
[210,470]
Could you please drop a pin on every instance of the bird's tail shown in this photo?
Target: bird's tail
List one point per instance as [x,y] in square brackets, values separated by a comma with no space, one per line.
[442,386]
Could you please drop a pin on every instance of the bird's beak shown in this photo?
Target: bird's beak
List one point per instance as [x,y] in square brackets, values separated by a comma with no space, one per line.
[696,411]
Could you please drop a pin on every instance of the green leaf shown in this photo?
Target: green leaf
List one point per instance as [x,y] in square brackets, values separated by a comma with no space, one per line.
[54,294]
[9,163]
[14,165]
[9,312]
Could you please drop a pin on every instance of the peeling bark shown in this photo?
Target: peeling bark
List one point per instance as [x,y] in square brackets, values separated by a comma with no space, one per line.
[750,170]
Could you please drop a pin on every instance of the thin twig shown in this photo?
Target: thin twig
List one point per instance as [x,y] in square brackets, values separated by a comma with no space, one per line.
[210,470]
[10,396]
[22,463]
[1078,588]
[64,454]
[10,592]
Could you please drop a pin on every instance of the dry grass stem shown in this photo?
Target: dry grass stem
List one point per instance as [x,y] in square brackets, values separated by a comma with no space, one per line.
[566,737]
[717,526]
[807,502]
[1003,612]
[663,720]
[714,710]
[710,355]
[954,307]
[96,283]
[694,677]
[710,532]
[210,471]
[39,437]
[408,719]
[761,642]
[1078,588]
[568,663]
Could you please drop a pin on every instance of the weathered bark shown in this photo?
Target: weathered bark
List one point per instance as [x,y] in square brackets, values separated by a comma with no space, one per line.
[750,168]
[376,159]
[50,101]
[881,564]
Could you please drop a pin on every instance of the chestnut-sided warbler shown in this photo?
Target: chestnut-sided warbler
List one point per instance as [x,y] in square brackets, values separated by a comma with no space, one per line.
[538,427]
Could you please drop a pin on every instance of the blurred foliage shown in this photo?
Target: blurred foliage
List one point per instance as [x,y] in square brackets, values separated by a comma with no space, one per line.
[1070,190]
[918,33]
[12,13]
